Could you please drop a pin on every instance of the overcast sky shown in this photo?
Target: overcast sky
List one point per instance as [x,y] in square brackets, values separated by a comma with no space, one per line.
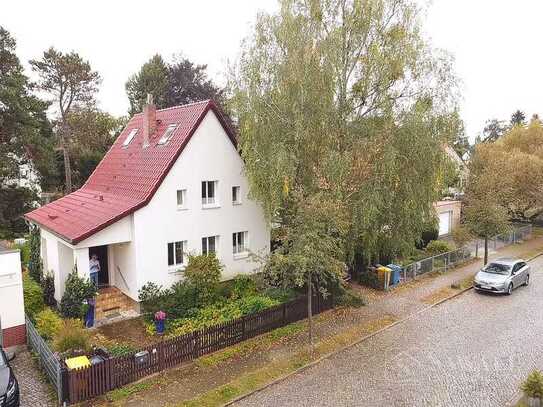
[496,43]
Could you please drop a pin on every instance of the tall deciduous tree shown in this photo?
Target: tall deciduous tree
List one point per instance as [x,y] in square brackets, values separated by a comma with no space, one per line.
[342,101]
[486,193]
[177,83]
[71,82]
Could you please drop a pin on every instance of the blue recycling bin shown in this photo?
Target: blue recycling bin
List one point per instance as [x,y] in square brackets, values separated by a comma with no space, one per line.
[395,273]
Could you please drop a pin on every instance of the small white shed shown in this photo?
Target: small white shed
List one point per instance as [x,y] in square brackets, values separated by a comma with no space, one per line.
[12,314]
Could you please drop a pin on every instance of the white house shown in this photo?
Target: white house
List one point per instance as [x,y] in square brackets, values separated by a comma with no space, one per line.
[172,183]
[12,314]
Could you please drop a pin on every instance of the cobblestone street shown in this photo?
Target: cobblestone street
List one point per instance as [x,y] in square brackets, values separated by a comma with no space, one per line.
[471,351]
[34,390]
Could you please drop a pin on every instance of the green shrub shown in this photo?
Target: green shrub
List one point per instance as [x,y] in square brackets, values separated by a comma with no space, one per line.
[72,336]
[533,385]
[243,285]
[48,284]
[370,279]
[151,297]
[34,263]
[436,247]
[33,296]
[48,323]
[121,349]
[427,237]
[204,273]
[24,249]
[76,291]
[255,303]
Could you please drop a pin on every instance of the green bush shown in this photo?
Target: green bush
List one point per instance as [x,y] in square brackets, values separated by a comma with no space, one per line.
[24,249]
[48,284]
[204,273]
[48,323]
[218,313]
[436,247]
[243,285]
[34,263]
[76,291]
[533,385]
[121,349]
[72,336]
[33,296]
[370,279]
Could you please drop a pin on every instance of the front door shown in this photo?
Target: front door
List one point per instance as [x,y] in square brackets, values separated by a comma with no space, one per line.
[101,252]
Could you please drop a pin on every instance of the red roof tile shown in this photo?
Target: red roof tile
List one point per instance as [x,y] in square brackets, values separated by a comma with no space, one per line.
[126,178]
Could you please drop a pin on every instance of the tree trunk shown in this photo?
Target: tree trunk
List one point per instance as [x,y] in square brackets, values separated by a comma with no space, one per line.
[310,312]
[486,251]
[67,165]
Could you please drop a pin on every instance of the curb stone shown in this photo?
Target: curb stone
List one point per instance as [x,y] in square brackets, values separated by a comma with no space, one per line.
[362,339]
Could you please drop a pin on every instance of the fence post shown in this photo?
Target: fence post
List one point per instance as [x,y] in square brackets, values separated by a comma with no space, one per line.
[514,236]
[477,248]
[243,327]
[284,313]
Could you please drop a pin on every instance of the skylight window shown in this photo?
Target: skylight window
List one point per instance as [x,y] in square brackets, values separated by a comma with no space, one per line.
[130,137]
[167,134]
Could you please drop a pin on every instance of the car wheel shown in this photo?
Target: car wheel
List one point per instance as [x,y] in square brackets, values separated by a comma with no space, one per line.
[510,289]
[527,280]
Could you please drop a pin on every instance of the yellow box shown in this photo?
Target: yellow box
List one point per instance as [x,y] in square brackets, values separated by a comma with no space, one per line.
[78,362]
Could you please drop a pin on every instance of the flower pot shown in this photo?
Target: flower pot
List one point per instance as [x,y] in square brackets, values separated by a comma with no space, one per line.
[159,325]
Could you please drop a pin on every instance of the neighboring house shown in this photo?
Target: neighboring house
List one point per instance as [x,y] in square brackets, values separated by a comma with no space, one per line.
[172,183]
[12,314]
[448,213]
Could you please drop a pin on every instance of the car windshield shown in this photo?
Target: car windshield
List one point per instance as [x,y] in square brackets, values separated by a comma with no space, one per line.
[497,268]
[3,361]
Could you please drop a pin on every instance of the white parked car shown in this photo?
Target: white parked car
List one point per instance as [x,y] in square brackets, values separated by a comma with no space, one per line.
[502,276]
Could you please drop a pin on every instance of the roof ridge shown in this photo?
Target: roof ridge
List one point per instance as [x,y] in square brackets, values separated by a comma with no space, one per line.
[206,101]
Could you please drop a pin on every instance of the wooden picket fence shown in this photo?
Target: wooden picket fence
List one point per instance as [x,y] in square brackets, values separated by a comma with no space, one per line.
[93,381]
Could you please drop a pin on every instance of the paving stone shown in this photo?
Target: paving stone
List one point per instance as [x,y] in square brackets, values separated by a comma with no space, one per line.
[35,392]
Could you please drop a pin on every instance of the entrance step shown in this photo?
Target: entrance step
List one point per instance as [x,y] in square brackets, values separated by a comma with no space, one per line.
[111,303]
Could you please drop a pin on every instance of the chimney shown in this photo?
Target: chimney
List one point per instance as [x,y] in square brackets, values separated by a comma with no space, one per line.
[149,120]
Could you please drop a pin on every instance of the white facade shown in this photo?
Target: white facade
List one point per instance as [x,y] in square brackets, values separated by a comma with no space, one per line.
[137,245]
[11,290]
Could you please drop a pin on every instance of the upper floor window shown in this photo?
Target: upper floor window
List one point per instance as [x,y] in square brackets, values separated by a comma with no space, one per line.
[181,199]
[209,191]
[130,137]
[236,194]
[176,253]
[168,133]
[209,244]
[240,242]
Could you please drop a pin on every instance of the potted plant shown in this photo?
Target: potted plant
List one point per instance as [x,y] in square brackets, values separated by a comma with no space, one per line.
[160,317]
[533,389]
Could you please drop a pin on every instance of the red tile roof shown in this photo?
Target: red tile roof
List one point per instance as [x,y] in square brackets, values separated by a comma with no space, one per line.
[126,178]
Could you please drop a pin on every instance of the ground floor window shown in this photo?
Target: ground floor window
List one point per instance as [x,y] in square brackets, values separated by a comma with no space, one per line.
[176,253]
[209,244]
[240,242]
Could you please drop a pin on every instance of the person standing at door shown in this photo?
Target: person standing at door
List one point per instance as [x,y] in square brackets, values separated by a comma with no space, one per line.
[94,266]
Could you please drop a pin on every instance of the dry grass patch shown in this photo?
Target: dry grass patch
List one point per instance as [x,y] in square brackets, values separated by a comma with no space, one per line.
[439,295]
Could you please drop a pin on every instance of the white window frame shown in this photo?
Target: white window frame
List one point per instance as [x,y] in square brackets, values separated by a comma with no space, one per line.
[177,266]
[168,134]
[207,201]
[240,244]
[183,205]
[236,201]
[206,240]
[130,137]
